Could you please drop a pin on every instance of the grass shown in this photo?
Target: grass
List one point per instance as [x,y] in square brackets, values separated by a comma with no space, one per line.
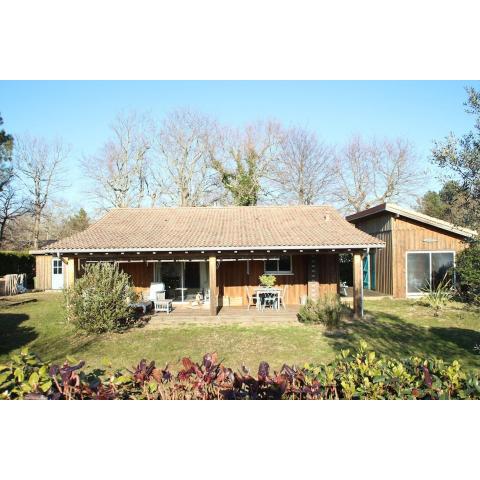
[394,327]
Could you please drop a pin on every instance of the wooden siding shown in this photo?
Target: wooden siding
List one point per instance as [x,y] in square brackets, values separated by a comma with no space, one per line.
[402,235]
[380,226]
[141,274]
[43,272]
[328,274]
[232,277]
[410,235]
[373,225]
[384,264]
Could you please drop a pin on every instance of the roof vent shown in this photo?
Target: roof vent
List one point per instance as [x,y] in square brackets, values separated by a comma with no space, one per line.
[326,217]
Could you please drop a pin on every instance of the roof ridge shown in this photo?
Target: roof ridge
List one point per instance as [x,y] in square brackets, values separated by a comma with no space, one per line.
[219,207]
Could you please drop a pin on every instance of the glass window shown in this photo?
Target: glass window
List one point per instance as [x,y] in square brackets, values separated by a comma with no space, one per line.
[57,267]
[426,269]
[281,265]
[192,275]
[418,271]
[271,266]
[442,263]
[284,264]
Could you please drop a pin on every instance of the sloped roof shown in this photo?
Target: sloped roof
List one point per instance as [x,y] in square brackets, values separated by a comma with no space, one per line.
[413,215]
[207,228]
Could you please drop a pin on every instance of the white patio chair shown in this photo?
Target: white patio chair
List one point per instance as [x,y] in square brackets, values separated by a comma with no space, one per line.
[155,287]
[251,299]
[282,297]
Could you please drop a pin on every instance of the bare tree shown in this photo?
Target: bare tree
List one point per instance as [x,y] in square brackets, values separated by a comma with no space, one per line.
[370,173]
[182,169]
[245,158]
[12,206]
[120,171]
[303,173]
[6,147]
[38,166]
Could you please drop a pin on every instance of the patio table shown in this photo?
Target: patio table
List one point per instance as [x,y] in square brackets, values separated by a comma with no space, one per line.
[263,292]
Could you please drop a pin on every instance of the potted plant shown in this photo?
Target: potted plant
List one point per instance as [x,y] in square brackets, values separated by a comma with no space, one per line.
[267,281]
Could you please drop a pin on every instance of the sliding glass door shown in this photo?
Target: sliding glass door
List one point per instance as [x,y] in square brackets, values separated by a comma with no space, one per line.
[183,280]
[427,269]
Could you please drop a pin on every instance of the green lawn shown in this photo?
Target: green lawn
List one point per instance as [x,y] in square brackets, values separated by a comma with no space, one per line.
[394,327]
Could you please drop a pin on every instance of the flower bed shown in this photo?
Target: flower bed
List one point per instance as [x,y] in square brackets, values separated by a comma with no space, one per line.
[358,375]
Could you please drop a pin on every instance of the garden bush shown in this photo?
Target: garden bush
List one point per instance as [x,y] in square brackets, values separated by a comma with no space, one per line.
[437,296]
[468,273]
[327,310]
[99,300]
[352,375]
[267,280]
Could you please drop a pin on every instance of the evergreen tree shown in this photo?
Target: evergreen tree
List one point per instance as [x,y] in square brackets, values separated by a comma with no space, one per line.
[462,157]
[448,204]
[75,223]
[6,147]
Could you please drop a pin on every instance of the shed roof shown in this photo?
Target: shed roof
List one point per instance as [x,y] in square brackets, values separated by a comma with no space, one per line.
[208,228]
[413,215]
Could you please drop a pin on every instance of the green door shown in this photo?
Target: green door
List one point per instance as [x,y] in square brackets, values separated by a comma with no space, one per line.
[366,272]
[369,271]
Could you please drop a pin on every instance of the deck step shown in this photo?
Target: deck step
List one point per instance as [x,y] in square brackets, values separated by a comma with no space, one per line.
[158,321]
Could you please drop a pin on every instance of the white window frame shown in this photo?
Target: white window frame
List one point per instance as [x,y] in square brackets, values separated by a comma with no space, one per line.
[58,265]
[420,294]
[278,272]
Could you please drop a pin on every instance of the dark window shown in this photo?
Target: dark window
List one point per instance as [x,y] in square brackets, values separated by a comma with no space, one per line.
[192,275]
[442,264]
[282,264]
[271,266]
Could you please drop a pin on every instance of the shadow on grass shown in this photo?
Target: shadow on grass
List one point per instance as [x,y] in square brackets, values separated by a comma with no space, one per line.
[13,334]
[57,348]
[390,335]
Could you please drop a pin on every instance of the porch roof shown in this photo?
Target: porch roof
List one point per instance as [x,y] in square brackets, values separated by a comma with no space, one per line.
[217,228]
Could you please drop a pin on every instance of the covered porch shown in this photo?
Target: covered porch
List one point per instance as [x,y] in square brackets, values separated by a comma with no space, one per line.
[224,281]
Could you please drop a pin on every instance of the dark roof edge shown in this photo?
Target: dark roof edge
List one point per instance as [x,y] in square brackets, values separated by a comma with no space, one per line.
[378,244]
[413,215]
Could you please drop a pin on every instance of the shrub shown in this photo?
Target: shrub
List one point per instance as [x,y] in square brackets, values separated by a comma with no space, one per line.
[358,375]
[468,273]
[267,280]
[327,310]
[437,297]
[99,301]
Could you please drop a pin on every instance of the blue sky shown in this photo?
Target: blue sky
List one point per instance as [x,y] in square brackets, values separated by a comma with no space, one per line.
[80,112]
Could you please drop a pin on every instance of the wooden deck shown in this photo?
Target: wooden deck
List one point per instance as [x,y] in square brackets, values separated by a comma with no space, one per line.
[226,315]
[367,295]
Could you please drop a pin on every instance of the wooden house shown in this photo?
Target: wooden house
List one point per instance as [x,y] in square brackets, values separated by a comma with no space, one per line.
[217,251]
[419,249]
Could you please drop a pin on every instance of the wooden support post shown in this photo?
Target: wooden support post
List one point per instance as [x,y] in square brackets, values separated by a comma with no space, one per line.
[212,271]
[69,275]
[313,285]
[357,285]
